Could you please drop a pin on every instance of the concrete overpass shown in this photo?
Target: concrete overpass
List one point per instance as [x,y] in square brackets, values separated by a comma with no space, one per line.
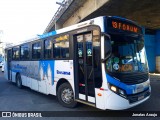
[145,12]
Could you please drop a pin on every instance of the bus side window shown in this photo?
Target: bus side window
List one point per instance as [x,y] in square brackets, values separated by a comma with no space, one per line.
[47,48]
[24,51]
[36,50]
[15,53]
[61,49]
[56,51]
[65,49]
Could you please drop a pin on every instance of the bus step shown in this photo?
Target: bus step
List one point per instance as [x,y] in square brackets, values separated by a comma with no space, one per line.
[87,103]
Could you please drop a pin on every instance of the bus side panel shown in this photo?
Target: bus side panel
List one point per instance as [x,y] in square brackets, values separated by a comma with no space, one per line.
[43,75]
[27,70]
[24,80]
[34,84]
[46,73]
[29,82]
[102,95]
[64,69]
[5,70]
[51,89]
[13,72]
[51,71]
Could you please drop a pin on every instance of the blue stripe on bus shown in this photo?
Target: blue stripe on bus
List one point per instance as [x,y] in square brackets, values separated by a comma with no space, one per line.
[113,81]
[14,70]
[117,17]
[130,89]
[48,34]
[52,63]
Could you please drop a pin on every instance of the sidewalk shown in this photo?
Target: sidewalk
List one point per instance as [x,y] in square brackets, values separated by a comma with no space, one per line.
[154,76]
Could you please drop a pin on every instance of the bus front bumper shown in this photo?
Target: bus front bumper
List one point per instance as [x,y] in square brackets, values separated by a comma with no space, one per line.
[116,102]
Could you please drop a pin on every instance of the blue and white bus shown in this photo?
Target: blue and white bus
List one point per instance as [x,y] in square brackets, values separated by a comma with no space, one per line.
[99,62]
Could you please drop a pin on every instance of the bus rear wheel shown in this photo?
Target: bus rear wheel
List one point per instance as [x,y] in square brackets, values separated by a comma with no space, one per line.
[18,81]
[66,95]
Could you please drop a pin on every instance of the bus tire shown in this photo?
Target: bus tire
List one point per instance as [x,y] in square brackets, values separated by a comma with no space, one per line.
[65,96]
[18,81]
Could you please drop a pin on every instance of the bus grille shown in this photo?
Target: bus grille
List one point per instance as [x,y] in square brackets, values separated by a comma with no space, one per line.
[139,96]
[131,78]
[134,79]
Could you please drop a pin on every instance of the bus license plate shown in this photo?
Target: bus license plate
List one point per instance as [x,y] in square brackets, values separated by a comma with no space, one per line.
[140,97]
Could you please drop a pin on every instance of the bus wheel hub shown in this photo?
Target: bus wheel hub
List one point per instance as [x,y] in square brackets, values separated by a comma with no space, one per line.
[67,95]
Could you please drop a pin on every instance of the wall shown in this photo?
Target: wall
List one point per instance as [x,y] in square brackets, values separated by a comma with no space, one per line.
[157,47]
[150,41]
[158,43]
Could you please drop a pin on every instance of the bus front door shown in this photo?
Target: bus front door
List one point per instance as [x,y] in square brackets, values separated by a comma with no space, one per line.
[85,68]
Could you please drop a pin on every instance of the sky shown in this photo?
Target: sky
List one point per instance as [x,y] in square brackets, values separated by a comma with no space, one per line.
[23,19]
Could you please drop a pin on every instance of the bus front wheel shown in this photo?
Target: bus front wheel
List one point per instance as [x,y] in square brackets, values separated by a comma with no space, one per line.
[18,81]
[66,95]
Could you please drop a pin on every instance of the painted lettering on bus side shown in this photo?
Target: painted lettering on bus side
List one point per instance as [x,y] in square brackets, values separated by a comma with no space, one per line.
[17,66]
[63,72]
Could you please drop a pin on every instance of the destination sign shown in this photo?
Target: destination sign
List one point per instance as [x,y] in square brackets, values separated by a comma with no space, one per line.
[124,26]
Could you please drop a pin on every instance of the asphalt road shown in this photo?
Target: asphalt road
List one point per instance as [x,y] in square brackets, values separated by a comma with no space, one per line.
[15,99]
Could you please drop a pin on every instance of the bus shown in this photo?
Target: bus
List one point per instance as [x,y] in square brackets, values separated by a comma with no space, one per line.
[100,62]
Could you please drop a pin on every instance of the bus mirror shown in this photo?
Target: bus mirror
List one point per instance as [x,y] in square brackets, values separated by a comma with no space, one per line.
[107,47]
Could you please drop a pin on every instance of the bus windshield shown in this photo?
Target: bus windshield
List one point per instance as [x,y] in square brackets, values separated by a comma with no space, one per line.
[128,54]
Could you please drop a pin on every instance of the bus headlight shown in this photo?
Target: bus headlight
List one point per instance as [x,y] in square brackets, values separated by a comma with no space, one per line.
[113,88]
[117,90]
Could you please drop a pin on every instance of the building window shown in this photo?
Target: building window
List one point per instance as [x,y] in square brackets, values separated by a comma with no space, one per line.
[25,52]
[61,49]
[36,50]
[15,53]
[47,48]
